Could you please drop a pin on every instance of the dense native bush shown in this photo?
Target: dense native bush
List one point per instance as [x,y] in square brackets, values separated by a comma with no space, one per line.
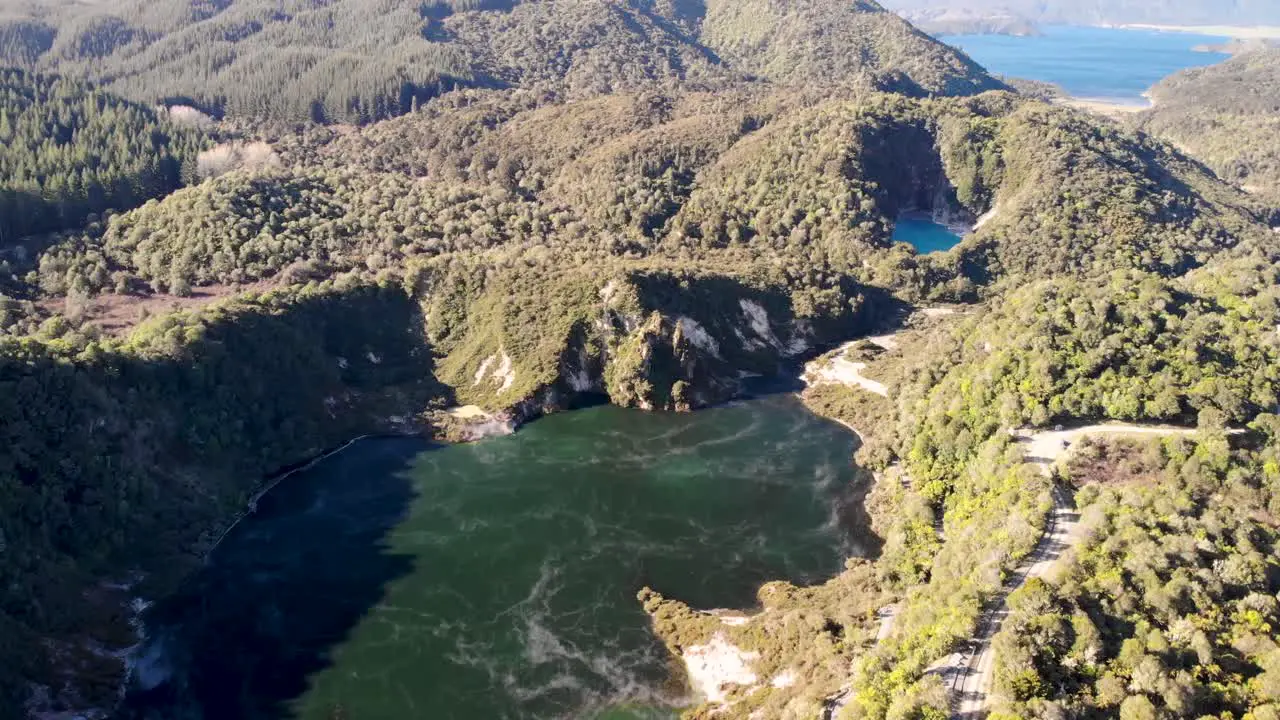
[1227,115]
[123,456]
[364,60]
[588,234]
[1073,351]
[1169,607]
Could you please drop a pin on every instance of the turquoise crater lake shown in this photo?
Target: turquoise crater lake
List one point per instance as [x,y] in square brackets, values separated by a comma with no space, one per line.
[497,580]
[924,234]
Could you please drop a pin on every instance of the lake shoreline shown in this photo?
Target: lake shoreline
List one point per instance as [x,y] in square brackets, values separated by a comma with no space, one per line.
[1237,32]
[1107,69]
[1114,109]
[645,455]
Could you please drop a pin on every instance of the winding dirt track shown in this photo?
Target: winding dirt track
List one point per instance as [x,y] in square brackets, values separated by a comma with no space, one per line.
[969,674]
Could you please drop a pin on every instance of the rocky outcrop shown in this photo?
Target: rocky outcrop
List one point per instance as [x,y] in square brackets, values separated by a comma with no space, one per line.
[650,339]
[781,658]
[695,354]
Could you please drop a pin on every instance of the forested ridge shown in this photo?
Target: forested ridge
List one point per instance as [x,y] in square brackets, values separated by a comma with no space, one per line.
[68,150]
[1072,351]
[612,206]
[1228,116]
[696,177]
[363,60]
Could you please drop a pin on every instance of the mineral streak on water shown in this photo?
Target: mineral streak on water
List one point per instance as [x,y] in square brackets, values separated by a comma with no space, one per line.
[498,580]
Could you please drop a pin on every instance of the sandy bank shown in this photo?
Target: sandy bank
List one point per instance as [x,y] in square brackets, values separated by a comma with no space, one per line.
[1108,108]
[836,367]
[839,370]
[844,372]
[468,412]
[718,664]
[469,423]
[1240,32]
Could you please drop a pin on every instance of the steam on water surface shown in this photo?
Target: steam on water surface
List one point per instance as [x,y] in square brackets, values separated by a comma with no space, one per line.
[498,580]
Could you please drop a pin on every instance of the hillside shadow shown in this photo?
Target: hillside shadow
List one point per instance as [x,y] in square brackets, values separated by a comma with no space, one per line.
[905,160]
[267,382]
[284,590]
[26,214]
[686,15]
[854,516]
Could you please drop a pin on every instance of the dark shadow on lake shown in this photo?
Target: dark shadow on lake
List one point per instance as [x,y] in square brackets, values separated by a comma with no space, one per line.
[245,633]
[499,579]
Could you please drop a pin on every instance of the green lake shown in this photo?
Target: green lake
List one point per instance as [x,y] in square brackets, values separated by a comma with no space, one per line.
[400,580]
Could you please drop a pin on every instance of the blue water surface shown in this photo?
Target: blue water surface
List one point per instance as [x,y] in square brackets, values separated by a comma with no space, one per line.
[924,234]
[1088,62]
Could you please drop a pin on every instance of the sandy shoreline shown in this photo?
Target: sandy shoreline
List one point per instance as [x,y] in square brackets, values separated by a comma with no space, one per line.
[840,371]
[1114,109]
[1109,108]
[1239,32]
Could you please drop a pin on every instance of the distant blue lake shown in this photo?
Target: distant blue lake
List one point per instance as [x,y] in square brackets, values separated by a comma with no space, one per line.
[1096,63]
[924,234]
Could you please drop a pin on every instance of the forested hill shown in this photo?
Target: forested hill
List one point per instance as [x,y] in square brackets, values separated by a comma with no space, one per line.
[1228,115]
[647,200]
[68,150]
[360,60]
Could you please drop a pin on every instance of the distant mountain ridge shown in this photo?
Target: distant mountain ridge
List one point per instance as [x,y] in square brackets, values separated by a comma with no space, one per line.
[1110,12]
[947,21]
[362,60]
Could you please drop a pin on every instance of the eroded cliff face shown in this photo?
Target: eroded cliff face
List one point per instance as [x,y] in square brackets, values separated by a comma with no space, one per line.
[681,358]
[650,339]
